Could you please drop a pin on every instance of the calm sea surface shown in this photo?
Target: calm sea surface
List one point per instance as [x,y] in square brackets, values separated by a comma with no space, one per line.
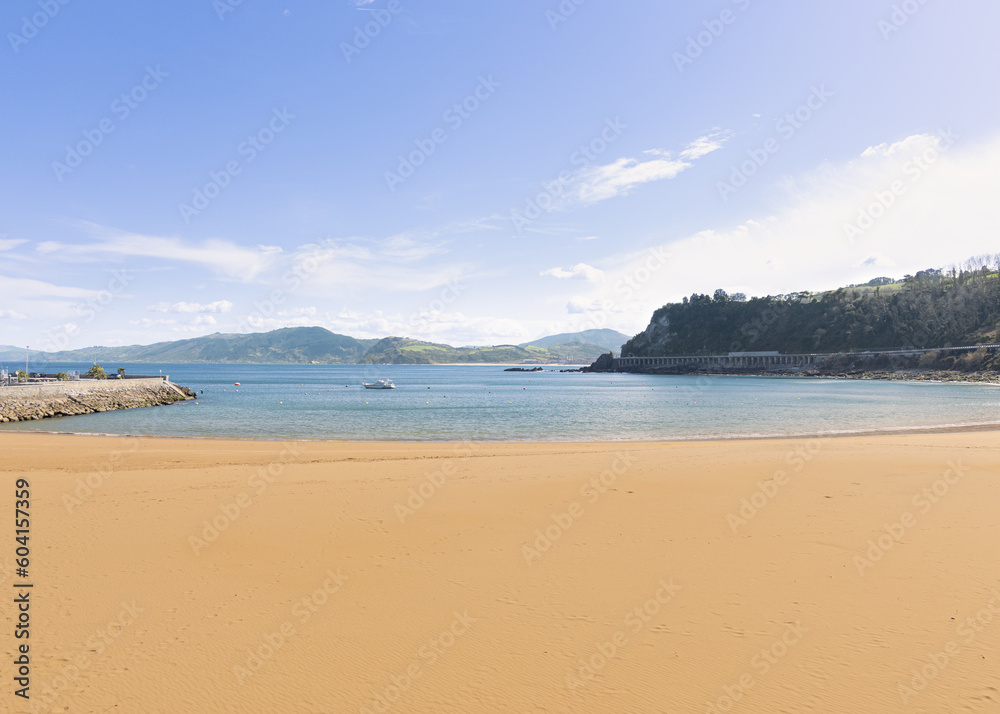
[443,402]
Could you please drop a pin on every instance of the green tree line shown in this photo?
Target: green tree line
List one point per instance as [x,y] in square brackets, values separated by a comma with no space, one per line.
[934,308]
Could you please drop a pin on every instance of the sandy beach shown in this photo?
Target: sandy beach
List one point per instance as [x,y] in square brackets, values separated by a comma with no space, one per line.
[837,575]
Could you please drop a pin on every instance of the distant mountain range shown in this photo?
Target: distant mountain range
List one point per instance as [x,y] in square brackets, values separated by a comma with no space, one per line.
[317,345]
[610,340]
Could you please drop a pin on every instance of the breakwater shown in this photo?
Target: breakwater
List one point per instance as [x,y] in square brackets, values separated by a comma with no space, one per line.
[29,402]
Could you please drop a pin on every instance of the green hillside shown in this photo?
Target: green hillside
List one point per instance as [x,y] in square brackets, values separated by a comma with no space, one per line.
[605,338]
[310,345]
[931,309]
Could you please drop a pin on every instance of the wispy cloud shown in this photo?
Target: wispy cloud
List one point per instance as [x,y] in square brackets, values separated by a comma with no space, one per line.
[706,144]
[11,243]
[147,322]
[221,256]
[219,306]
[580,271]
[27,288]
[396,264]
[601,182]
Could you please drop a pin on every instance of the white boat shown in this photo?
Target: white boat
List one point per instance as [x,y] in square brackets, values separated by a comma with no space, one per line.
[379,384]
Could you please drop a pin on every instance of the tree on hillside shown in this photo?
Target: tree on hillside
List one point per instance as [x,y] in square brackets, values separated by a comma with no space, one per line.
[933,308]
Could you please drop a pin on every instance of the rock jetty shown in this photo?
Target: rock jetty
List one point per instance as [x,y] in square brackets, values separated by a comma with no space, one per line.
[25,404]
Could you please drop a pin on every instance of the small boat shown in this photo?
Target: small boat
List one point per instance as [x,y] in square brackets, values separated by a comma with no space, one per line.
[379,384]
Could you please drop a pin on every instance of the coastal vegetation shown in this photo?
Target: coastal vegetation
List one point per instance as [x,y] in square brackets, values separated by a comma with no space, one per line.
[932,309]
[96,372]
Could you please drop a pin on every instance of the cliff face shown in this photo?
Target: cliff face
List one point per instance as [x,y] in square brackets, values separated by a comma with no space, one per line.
[17,405]
[654,340]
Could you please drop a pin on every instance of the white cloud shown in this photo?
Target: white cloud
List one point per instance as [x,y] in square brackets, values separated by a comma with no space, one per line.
[28,288]
[580,271]
[943,212]
[12,315]
[221,256]
[11,243]
[706,145]
[907,146]
[394,265]
[204,320]
[409,247]
[147,322]
[599,183]
[219,306]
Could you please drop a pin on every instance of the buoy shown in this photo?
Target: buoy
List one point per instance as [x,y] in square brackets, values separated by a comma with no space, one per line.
[236,384]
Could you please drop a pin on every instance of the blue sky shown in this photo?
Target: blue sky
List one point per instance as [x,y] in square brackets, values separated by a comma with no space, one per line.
[476,173]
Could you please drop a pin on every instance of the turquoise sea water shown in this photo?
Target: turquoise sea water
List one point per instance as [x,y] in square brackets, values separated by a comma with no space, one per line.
[443,402]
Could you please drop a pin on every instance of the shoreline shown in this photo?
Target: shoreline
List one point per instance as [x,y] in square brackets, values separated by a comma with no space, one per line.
[737,438]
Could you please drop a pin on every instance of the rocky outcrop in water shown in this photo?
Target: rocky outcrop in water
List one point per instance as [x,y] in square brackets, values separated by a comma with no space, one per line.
[604,363]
